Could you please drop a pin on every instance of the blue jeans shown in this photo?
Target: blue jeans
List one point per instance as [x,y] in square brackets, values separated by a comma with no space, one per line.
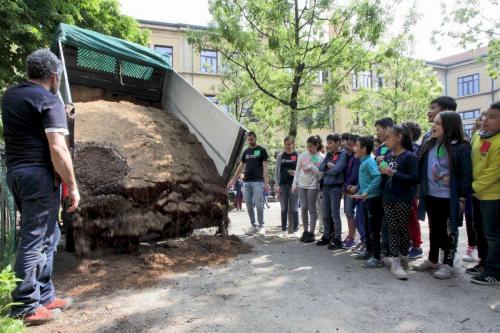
[490,212]
[332,195]
[37,197]
[360,220]
[253,192]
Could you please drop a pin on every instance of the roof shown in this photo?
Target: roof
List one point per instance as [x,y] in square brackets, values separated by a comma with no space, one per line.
[173,25]
[461,57]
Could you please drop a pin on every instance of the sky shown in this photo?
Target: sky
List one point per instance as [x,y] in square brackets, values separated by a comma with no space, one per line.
[196,12]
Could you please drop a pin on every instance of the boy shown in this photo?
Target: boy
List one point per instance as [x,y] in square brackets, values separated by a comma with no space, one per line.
[351,178]
[370,191]
[440,104]
[486,197]
[332,166]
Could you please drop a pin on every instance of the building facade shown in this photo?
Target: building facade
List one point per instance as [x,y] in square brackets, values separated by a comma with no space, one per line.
[463,76]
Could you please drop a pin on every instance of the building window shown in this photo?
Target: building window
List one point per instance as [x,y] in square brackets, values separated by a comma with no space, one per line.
[468,85]
[362,80]
[208,61]
[468,130]
[471,114]
[322,77]
[212,99]
[165,51]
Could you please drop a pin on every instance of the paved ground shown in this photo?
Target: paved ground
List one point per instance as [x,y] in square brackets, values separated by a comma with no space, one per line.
[286,286]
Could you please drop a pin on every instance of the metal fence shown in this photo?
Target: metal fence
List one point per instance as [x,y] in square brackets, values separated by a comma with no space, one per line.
[7,219]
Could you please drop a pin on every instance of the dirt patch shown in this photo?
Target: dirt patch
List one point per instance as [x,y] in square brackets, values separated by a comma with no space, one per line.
[141,171]
[91,277]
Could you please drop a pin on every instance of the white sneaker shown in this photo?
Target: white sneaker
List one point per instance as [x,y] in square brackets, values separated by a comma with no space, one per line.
[425,265]
[469,254]
[386,261]
[404,262]
[262,231]
[251,231]
[296,234]
[445,272]
[283,234]
[397,270]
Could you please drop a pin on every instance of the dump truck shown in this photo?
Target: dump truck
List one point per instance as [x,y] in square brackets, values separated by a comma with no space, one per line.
[117,88]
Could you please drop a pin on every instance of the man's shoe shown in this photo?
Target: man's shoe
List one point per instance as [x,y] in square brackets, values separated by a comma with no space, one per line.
[372,263]
[42,316]
[445,272]
[476,270]
[323,242]
[486,279]
[469,254]
[415,253]
[251,231]
[425,265]
[60,303]
[348,242]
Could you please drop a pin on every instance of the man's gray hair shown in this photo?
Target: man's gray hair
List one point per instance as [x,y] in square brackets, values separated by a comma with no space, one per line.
[41,64]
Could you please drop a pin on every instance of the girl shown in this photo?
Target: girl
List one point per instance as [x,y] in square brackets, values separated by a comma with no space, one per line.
[399,177]
[286,163]
[445,182]
[306,183]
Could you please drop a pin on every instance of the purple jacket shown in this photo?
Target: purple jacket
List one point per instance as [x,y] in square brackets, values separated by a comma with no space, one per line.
[352,171]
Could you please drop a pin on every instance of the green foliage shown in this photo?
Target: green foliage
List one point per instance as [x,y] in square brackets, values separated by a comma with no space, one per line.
[27,25]
[473,23]
[7,285]
[278,47]
[409,86]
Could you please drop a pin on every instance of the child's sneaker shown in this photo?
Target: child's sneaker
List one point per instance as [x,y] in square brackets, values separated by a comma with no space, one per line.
[397,270]
[445,272]
[362,256]
[283,234]
[476,270]
[322,242]
[335,244]
[486,279]
[251,231]
[425,265]
[348,242]
[41,316]
[372,263]
[415,253]
[262,231]
[469,254]
[404,262]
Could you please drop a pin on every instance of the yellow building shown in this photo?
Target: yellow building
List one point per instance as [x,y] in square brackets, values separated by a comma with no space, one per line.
[464,77]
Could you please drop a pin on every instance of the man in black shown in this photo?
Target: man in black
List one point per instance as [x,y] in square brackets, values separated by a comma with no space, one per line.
[37,157]
[254,160]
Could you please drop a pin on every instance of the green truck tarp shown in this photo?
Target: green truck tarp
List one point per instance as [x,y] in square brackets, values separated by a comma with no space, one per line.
[71,35]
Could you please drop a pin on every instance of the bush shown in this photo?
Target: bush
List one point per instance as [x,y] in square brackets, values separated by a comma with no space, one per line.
[8,282]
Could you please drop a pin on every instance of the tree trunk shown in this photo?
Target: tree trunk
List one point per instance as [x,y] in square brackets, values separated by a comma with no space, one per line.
[292,130]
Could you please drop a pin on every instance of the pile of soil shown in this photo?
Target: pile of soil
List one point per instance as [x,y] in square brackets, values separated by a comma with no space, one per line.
[90,277]
[141,172]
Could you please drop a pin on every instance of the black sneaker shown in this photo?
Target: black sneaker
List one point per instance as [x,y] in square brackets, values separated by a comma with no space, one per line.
[323,242]
[303,237]
[310,238]
[486,279]
[335,244]
[476,270]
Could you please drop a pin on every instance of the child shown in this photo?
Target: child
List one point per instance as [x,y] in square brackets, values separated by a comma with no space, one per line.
[382,126]
[437,105]
[351,179]
[371,192]
[332,168]
[286,163]
[445,181]
[486,186]
[306,183]
[238,198]
[400,176]
[414,224]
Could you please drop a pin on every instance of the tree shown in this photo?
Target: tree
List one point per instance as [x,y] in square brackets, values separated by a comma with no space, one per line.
[473,23]
[27,25]
[408,86]
[280,47]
